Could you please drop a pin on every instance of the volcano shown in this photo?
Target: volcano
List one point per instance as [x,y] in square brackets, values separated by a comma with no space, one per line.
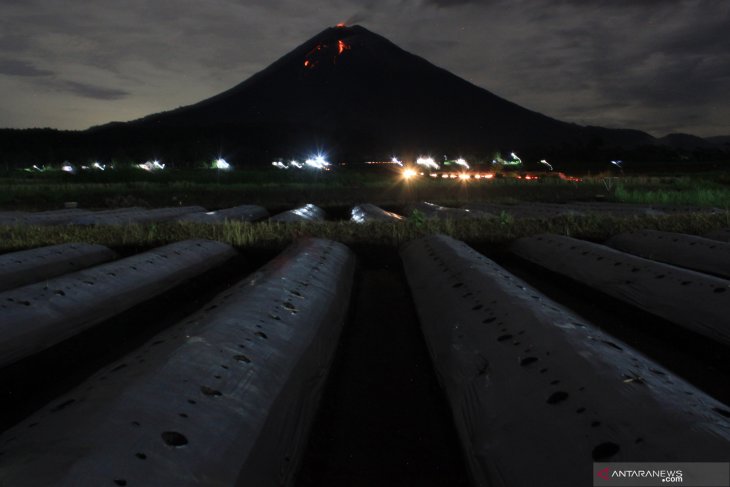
[357,96]
[354,93]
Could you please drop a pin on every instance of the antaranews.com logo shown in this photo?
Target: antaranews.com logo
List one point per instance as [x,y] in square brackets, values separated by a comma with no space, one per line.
[697,474]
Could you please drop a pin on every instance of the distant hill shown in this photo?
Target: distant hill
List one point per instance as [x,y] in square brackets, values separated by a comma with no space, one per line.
[722,140]
[686,141]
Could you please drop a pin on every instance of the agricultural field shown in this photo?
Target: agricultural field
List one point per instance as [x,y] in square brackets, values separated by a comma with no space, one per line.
[230,325]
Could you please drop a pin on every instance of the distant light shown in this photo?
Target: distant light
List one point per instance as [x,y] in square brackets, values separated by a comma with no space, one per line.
[516,159]
[409,173]
[151,166]
[463,176]
[67,167]
[395,160]
[546,163]
[221,164]
[317,162]
[462,162]
[296,164]
[427,162]
[100,167]
[341,25]
[279,165]
[617,163]
[39,169]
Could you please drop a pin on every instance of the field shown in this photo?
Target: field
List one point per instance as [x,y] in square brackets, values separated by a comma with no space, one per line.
[338,191]
[398,358]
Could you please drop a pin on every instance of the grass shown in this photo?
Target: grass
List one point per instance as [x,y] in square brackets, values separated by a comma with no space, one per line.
[244,235]
[695,194]
[339,190]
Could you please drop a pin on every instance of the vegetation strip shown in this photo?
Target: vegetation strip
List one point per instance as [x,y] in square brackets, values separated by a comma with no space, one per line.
[269,234]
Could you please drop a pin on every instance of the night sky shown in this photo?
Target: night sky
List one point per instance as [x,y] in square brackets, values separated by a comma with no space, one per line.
[656,65]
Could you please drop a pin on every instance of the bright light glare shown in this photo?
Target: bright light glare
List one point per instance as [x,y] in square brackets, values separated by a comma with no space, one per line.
[296,164]
[546,163]
[221,164]
[517,159]
[409,173]
[617,163]
[427,162]
[462,162]
[317,162]
[279,165]
[396,161]
[151,166]
[68,168]
[100,167]
[463,176]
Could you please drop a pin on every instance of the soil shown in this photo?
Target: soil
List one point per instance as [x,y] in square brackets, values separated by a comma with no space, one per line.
[383,419]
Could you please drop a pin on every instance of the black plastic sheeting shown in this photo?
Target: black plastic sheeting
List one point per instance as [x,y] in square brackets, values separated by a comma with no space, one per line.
[537,393]
[368,212]
[723,235]
[38,316]
[124,217]
[35,265]
[431,210]
[223,398]
[308,212]
[690,299]
[52,217]
[248,213]
[688,251]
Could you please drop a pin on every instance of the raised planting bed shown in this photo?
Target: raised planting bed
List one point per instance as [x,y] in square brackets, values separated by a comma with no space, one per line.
[690,299]
[37,316]
[225,397]
[368,212]
[688,251]
[35,265]
[247,213]
[538,393]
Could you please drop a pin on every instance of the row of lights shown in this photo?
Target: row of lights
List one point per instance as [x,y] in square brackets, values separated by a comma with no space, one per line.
[149,166]
[314,162]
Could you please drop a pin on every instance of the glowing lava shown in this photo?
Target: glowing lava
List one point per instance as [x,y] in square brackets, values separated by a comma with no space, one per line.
[342,46]
[314,56]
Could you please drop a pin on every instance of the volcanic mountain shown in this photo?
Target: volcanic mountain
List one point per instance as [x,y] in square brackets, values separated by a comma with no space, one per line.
[357,95]
[350,93]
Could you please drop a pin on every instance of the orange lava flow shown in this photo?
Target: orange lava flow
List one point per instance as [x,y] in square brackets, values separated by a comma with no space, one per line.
[342,46]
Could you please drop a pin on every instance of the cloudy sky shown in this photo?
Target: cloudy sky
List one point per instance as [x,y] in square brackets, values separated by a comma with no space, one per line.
[656,65]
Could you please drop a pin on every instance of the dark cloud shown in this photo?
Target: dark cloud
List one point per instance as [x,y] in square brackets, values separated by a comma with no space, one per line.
[657,65]
[454,3]
[90,91]
[357,18]
[14,67]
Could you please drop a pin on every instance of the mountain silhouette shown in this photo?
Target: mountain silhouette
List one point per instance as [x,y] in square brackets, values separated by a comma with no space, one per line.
[356,96]
[355,93]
